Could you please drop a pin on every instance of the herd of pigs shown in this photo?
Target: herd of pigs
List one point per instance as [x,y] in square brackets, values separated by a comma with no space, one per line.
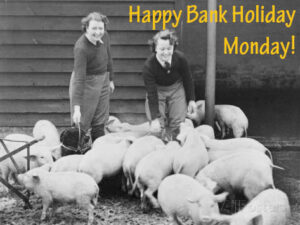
[186,177]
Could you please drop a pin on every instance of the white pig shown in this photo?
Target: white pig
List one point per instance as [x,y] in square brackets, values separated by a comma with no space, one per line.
[249,172]
[181,195]
[39,155]
[206,130]
[152,169]
[48,130]
[192,156]
[139,149]
[104,160]
[65,187]
[138,130]
[219,148]
[67,163]
[226,117]
[270,207]
[231,117]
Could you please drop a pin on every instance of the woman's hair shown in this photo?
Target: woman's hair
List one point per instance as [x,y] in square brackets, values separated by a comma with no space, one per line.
[93,16]
[165,35]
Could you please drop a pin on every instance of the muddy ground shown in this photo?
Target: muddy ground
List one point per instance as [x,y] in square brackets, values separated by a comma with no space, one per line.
[114,207]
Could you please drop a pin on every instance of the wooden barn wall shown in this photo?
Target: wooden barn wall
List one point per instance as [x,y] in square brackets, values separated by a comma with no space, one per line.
[36,57]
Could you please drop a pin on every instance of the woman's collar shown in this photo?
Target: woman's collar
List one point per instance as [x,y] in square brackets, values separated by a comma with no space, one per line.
[92,42]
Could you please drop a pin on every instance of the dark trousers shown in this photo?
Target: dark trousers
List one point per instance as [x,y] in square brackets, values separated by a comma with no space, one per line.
[95,106]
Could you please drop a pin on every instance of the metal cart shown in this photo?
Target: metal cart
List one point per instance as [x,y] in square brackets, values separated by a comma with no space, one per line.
[10,155]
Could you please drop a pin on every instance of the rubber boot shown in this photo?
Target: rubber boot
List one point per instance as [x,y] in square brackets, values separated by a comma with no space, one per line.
[97,131]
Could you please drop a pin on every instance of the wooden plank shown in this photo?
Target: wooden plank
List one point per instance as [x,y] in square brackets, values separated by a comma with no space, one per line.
[59,119]
[28,120]
[66,52]
[61,93]
[70,37]
[61,79]
[81,9]
[62,65]
[63,106]
[68,23]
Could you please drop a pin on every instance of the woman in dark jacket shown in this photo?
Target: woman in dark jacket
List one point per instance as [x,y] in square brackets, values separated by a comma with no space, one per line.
[169,84]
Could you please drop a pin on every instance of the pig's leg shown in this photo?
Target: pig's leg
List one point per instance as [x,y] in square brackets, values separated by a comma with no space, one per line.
[125,183]
[237,131]
[149,193]
[91,214]
[47,200]
[174,220]
[223,130]
[86,203]
[5,172]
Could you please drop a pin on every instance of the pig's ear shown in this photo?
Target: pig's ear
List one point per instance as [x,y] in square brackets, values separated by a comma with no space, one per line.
[110,122]
[220,197]
[35,177]
[256,219]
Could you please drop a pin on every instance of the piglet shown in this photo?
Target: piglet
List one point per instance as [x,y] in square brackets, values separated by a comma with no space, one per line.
[270,207]
[249,172]
[67,163]
[192,156]
[64,187]
[39,155]
[152,169]
[139,149]
[46,129]
[181,195]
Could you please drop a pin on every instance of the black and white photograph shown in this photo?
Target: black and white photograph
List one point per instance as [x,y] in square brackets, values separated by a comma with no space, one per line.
[149,112]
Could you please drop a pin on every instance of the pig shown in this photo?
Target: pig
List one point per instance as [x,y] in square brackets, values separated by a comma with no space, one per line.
[138,130]
[39,155]
[233,118]
[113,125]
[51,137]
[67,163]
[206,130]
[226,117]
[104,159]
[181,195]
[113,138]
[64,187]
[219,148]
[270,207]
[188,123]
[249,172]
[152,169]
[193,155]
[139,149]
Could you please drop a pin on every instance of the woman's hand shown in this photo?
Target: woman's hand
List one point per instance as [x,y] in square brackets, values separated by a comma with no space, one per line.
[155,126]
[192,107]
[111,86]
[76,114]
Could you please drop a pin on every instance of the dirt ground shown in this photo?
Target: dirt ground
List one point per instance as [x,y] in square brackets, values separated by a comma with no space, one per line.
[113,207]
[117,209]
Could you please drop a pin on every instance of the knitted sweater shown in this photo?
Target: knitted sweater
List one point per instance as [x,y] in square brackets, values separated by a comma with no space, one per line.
[90,59]
[155,74]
